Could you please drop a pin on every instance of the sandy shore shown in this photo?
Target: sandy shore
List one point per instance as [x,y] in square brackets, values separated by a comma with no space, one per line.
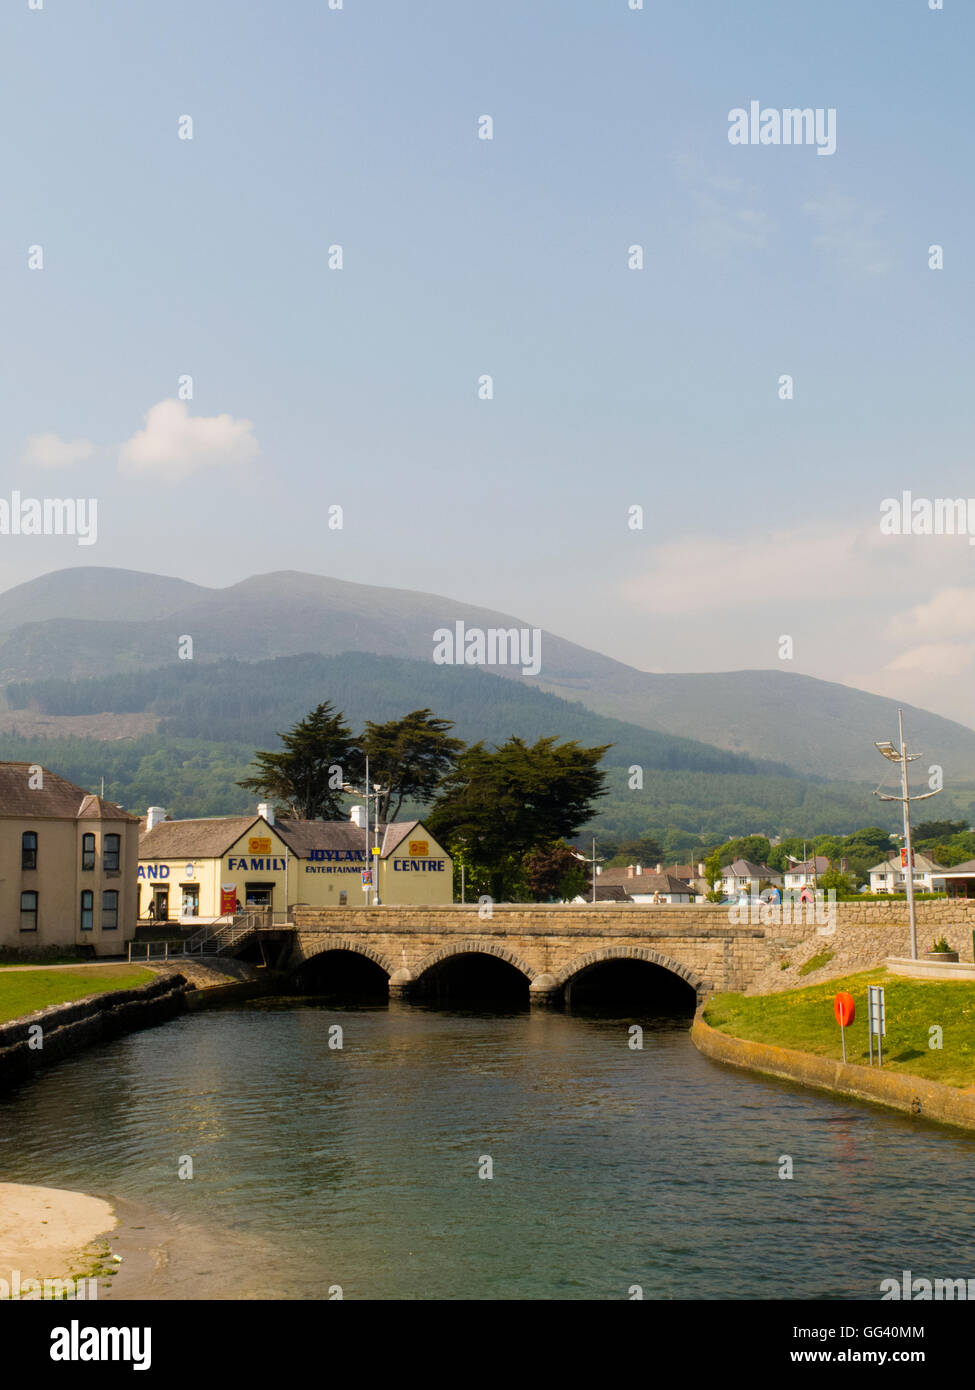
[47,1233]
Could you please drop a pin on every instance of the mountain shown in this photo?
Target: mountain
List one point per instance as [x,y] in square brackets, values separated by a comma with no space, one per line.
[90,621]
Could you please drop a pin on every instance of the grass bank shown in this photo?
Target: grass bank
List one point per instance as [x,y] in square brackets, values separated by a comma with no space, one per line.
[802,1019]
[22,992]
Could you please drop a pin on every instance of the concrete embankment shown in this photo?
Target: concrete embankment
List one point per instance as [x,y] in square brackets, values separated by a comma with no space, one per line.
[47,1036]
[909,1094]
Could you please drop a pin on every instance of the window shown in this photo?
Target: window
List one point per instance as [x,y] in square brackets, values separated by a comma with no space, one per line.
[110,910]
[191,900]
[87,910]
[28,850]
[110,854]
[28,912]
[87,851]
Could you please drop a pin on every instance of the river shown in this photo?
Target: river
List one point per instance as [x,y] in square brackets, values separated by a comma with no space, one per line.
[613,1168]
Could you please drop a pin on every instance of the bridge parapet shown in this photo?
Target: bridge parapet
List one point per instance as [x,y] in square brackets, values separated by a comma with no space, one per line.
[548,944]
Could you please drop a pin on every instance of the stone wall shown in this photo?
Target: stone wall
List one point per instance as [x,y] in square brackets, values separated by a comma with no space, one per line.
[68,1028]
[910,1094]
[714,947]
[548,944]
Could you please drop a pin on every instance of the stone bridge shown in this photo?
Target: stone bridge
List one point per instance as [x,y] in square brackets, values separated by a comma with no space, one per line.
[552,946]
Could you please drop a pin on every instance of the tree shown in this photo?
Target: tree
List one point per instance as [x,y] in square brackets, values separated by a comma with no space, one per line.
[643,850]
[754,848]
[409,757]
[843,884]
[305,778]
[871,842]
[499,804]
[937,830]
[712,873]
[555,874]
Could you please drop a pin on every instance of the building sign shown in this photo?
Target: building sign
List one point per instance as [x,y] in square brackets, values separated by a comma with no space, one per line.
[153,871]
[419,866]
[419,849]
[269,865]
[259,844]
[228,899]
[904,859]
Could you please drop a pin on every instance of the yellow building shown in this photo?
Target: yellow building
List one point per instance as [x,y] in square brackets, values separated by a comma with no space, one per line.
[68,864]
[202,870]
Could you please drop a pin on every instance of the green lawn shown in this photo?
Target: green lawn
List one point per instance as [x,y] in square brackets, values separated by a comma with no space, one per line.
[21,992]
[803,1019]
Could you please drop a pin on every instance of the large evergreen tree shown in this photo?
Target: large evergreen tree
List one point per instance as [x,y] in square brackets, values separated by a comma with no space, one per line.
[409,757]
[305,778]
[497,805]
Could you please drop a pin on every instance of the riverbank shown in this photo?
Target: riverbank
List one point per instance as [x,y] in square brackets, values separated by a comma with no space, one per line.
[25,989]
[929,1048]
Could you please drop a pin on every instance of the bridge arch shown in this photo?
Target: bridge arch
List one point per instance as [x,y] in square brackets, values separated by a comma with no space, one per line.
[354,945]
[472,948]
[581,964]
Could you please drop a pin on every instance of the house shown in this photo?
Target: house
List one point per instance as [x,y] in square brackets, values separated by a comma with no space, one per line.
[692,874]
[605,893]
[661,888]
[890,876]
[200,870]
[804,873]
[68,862]
[960,880]
[744,876]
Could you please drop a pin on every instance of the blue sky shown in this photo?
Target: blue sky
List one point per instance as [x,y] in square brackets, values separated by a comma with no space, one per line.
[612,387]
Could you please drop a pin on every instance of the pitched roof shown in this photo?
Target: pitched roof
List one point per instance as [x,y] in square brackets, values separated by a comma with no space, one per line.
[659,883]
[212,838]
[921,861]
[195,839]
[745,868]
[56,797]
[608,893]
[805,866]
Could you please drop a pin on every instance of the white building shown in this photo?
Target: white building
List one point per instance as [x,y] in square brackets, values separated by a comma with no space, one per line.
[805,873]
[742,876]
[891,875]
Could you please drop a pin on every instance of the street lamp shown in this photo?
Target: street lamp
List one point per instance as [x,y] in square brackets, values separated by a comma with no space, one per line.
[901,756]
[376,795]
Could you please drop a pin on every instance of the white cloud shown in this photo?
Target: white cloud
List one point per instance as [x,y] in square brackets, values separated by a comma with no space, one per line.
[724,222]
[755,567]
[950,614]
[175,445]
[51,451]
[847,233]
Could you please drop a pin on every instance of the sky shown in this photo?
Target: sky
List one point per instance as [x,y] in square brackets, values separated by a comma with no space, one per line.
[133,258]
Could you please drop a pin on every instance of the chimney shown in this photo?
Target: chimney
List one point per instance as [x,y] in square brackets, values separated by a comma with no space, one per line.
[700,868]
[659,869]
[154,815]
[266,811]
[358,817]
[844,865]
[629,870]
